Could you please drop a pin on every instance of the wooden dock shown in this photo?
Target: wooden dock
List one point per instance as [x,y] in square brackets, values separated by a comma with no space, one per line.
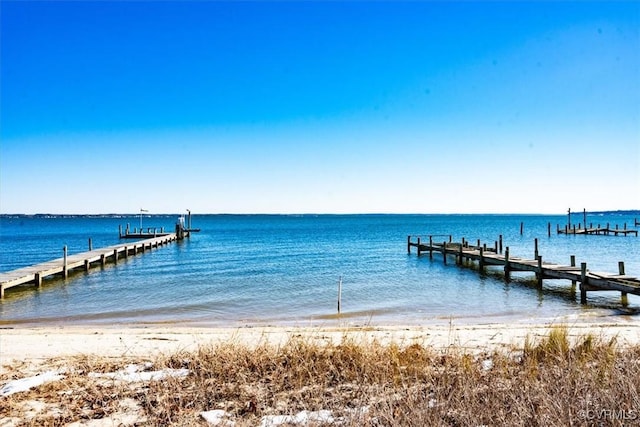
[93,258]
[605,231]
[484,257]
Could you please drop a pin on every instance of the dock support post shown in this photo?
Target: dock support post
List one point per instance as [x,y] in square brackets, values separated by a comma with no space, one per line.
[115,256]
[539,274]
[120,231]
[1,291]
[583,283]
[460,255]
[573,264]
[444,252]
[535,251]
[64,262]
[623,295]
[481,261]
[521,228]
[126,252]
[500,242]
[548,229]
[90,244]
[584,218]
[86,265]
[408,244]
[38,280]
[103,261]
[430,247]
[418,246]
[339,293]
[507,269]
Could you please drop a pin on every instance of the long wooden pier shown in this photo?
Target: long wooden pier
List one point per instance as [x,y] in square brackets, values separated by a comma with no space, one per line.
[483,256]
[86,260]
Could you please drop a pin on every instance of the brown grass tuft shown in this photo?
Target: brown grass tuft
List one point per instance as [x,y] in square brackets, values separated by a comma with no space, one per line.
[551,382]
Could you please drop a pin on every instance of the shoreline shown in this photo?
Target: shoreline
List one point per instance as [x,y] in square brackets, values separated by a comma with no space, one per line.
[35,346]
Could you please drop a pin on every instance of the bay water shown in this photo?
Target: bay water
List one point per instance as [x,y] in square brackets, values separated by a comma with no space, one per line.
[252,270]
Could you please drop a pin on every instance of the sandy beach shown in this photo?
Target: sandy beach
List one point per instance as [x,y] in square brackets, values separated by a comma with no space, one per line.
[35,345]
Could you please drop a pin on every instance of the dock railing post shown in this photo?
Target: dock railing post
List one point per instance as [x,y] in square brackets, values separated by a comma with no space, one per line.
[64,261]
[583,283]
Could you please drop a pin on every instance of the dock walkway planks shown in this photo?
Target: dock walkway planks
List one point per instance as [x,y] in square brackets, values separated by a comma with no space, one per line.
[589,281]
[86,260]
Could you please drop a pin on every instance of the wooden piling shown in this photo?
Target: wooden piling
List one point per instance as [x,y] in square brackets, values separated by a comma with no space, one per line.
[549,229]
[481,261]
[65,273]
[339,293]
[535,251]
[408,244]
[90,244]
[444,252]
[521,228]
[38,279]
[103,260]
[500,242]
[115,256]
[87,265]
[507,269]
[583,283]
[539,273]
[419,251]
[572,263]
[623,295]
[430,247]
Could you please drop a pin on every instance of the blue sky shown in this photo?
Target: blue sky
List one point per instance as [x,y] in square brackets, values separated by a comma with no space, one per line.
[314,107]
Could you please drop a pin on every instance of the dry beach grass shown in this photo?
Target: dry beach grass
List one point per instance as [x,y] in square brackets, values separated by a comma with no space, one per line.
[556,379]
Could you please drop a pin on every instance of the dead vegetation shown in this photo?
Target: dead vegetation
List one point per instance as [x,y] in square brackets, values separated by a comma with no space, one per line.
[549,382]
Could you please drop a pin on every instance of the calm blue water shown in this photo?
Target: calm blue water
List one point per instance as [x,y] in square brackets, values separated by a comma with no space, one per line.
[284,270]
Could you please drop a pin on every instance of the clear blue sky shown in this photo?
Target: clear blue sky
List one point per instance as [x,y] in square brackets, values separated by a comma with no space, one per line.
[310,107]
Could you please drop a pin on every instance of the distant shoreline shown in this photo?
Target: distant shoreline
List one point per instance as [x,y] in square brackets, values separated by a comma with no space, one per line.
[166,215]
